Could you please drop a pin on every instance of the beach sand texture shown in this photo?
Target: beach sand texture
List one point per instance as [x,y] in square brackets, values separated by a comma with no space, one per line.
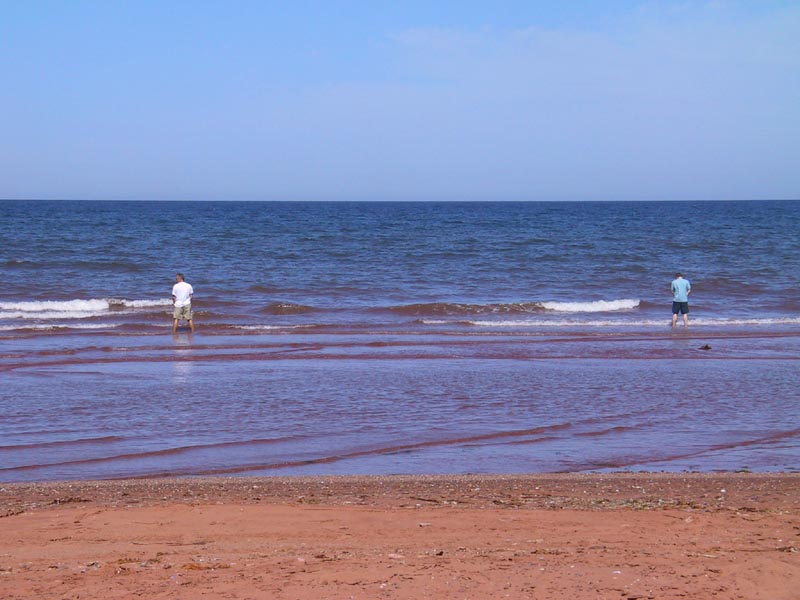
[630,536]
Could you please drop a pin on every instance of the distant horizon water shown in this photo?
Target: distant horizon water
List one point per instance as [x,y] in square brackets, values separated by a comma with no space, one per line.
[392,200]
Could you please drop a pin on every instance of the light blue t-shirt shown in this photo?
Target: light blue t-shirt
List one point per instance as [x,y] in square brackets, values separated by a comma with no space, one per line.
[680,290]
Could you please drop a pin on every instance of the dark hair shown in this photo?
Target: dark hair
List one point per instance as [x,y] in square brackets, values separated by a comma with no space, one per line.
[180,275]
[676,275]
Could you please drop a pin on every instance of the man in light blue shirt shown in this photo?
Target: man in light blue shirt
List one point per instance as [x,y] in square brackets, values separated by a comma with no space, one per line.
[681,288]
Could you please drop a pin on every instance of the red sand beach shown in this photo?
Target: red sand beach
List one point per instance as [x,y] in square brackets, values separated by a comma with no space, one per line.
[631,536]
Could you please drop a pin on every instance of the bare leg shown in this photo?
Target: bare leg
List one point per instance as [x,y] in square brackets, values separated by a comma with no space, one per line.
[174,325]
[191,325]
[685,320]
[674,320]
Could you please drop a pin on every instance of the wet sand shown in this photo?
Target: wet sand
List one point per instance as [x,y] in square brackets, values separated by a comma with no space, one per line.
[625,536]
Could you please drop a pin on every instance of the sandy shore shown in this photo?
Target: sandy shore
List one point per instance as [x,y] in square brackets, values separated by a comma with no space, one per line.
[626,536]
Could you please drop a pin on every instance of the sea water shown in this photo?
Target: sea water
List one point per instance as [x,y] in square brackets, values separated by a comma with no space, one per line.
[397,338]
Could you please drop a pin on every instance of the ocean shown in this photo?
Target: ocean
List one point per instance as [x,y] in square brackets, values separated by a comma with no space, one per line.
[404,337]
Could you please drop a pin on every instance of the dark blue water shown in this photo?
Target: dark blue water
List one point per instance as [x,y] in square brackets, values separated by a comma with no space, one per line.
[397,338]
[112,264]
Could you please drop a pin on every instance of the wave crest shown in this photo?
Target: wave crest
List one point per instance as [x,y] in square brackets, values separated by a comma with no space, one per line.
[595,306]
[439,309]
[74,309]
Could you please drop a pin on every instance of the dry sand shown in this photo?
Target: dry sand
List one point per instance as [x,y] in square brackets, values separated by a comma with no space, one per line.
[621,536]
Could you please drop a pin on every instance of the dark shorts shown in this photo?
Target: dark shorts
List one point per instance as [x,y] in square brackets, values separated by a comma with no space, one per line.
[680,308]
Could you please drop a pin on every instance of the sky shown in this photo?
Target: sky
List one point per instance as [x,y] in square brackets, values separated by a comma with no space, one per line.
[400,100]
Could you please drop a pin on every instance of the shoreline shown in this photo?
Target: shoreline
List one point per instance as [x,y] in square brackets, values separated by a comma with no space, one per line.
[617,535]
[579,491]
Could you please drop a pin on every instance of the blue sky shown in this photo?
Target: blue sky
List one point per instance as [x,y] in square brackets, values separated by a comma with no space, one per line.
[380,100]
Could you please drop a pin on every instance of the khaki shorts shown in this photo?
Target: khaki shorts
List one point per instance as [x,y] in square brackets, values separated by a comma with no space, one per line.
[183,312]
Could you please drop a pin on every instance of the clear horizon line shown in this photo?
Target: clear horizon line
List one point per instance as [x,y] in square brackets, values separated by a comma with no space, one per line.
[387,201]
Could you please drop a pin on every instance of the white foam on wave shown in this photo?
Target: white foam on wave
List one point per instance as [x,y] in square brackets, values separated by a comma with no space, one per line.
[73,309]
[765,321]
[56,306]
[568,323]
[49,315]
[270,327]
[53,326]
[544,323]
[596,306]
[145,303]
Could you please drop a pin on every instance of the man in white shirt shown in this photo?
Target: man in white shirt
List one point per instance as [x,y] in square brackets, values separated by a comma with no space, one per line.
[182,294]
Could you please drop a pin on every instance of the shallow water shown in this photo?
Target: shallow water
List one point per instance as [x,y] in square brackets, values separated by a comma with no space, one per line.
[192,405]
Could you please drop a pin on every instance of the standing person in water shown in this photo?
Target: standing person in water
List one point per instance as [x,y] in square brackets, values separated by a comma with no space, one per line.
[681,288]
[182,294]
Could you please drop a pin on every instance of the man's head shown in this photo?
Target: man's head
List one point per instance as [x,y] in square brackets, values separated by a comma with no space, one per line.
[677,276]
[179,277]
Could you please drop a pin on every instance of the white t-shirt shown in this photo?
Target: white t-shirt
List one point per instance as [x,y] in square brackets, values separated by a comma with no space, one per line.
[183,293]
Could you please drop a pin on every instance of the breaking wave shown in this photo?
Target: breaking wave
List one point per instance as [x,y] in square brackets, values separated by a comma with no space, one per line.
[74,309]
[459,309]
[595,306]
